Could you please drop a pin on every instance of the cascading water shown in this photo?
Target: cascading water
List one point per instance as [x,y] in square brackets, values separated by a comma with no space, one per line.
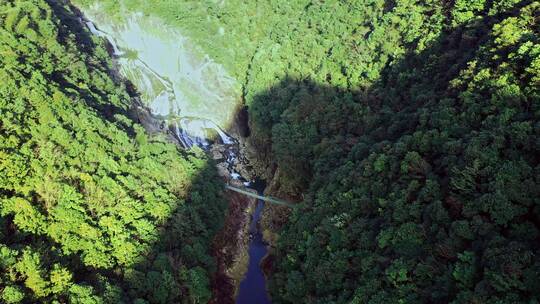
[191,131]
[174,78]
[194,98]
[94,30]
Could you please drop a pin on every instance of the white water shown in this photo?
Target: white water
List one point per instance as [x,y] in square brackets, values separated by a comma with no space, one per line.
[174,78]
[93,29]
[196,131]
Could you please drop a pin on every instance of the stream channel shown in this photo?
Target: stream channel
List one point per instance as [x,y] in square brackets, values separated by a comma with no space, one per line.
[193,96]
[253,287]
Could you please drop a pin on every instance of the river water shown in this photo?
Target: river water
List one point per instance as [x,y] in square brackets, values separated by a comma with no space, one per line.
[192,94]
[253,287]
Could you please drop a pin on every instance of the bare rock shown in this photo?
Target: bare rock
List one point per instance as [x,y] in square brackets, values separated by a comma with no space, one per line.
[217,152]
[216,155]
[222,170]
[242,169]
[236,183]
[218,147]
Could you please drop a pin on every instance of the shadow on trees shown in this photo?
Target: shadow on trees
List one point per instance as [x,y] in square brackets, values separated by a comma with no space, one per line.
[303,127]
[306,130]
[71,26]
[398,155]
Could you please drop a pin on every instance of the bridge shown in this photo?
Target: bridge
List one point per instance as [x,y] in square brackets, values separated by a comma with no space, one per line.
[264,198]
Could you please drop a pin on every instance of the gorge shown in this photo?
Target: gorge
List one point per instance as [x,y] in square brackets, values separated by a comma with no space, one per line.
[268,151]
[194,99]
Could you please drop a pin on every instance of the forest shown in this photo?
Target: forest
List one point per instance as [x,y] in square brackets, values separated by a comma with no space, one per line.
[408,132]
[419,164]
[410,129]
[93,210]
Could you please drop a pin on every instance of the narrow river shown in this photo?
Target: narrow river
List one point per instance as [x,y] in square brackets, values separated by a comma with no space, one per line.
[193,96]
[253,287]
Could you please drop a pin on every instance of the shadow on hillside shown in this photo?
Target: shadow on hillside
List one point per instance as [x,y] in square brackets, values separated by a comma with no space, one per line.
[303,130]
[292,124]
[71,26]
[298,120]
[172,238]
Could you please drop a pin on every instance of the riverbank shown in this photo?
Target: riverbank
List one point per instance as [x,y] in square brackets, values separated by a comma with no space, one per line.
[253,288]
[231,249]
[239,247]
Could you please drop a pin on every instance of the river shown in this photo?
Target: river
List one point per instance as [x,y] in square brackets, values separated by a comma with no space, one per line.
[253,287]
[191,94]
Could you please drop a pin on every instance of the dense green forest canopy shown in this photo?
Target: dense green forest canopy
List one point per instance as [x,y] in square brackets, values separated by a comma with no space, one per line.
[92,210]
[411,127]
[424,185]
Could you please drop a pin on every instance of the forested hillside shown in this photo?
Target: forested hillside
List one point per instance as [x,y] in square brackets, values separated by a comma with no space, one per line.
[408,129]
[411,129]
[424,186]
[92,210]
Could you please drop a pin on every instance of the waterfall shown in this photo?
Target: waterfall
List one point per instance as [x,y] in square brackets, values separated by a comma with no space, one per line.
[95,31]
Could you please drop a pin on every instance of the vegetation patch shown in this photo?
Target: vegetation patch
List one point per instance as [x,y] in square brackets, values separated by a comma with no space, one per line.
[92,210]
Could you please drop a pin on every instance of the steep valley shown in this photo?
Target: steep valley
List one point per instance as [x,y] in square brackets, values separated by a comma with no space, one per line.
[395,146]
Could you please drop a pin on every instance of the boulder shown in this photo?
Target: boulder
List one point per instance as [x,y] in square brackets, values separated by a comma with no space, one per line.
[216,155]
[217,152]
[236,183]
[242,169]
[223,170]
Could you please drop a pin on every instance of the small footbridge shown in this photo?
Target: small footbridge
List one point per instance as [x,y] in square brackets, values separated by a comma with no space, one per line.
[264,198]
